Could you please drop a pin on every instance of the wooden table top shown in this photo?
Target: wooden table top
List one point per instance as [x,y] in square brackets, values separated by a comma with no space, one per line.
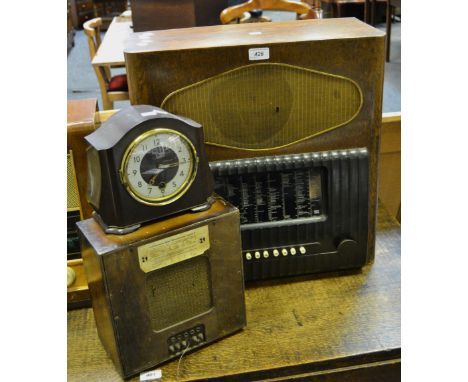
[336,328]
[110,52]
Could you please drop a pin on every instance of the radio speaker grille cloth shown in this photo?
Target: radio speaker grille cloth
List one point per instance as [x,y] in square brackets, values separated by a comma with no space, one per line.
[73,197]
[179,292]
[268,105]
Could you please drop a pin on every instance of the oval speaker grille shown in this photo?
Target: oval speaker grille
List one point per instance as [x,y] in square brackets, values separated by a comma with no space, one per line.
[264,106]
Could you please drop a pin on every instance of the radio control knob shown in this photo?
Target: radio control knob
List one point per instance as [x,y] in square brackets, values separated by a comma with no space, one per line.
[248,256]
[348,247]
[275,253]
[292,251]
[266,254]
[257,255]
[284,251]
[302,250]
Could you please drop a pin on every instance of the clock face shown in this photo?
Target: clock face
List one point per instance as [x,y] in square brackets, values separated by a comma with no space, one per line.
[158,166]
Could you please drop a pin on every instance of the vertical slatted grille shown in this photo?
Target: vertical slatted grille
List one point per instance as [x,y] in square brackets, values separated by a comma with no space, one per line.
[346,206]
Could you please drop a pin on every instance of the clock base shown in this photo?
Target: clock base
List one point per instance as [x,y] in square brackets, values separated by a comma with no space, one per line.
[113,230]
[204,206]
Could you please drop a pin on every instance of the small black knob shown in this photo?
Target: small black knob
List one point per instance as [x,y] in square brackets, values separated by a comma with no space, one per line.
[348,247]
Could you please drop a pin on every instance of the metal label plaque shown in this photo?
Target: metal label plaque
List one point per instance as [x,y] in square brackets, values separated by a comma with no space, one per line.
[173,249]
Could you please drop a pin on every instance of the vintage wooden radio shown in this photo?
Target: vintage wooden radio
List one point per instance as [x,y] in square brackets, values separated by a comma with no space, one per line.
[82,119]
[272,89]
[80,122]
[167,288]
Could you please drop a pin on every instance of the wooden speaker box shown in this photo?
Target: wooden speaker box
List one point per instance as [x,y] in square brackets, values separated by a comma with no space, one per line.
[148,15]
[167,288]
[80,122]
[269,88]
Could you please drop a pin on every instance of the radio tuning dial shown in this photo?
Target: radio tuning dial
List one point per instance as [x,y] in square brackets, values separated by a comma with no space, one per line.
[348,247]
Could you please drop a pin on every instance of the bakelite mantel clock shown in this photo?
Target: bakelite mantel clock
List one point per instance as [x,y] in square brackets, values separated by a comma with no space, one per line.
[144,164]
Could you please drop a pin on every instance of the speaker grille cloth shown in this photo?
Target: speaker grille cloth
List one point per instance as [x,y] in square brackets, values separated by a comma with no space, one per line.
[265,106]
[73,197]
[179,292]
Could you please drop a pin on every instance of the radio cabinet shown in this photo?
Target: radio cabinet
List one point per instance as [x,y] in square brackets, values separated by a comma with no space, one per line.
[270,88]
[167,288]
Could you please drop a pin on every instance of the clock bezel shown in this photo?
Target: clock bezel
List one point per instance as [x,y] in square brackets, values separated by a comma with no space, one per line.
[161,201]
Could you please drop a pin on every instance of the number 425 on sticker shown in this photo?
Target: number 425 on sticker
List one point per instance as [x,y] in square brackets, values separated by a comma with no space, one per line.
[259,54]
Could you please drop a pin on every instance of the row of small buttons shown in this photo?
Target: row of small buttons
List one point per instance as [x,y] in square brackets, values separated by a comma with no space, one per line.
[276,253]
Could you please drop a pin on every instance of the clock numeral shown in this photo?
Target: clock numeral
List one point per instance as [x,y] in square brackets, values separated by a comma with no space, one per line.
[156,142]
[149,189]
[179,149]
[181,173]
[184,160]
[136,159]
[174,184]
[160,150]
[139,184]
[134,172]
[145,147]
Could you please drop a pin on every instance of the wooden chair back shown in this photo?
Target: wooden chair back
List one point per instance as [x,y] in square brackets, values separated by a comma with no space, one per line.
[92,29]
[237,11]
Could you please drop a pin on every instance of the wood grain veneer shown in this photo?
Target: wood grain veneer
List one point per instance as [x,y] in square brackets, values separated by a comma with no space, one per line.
[161,62]
[311,328]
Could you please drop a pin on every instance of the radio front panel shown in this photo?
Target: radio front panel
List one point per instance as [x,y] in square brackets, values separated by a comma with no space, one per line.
[303,213]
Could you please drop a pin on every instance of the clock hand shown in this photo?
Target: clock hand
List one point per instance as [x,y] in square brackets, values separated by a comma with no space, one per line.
[168,165]
[153,180]
[153,171]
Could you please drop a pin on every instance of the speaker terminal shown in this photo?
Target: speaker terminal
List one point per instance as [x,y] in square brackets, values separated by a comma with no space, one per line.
[186,340]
